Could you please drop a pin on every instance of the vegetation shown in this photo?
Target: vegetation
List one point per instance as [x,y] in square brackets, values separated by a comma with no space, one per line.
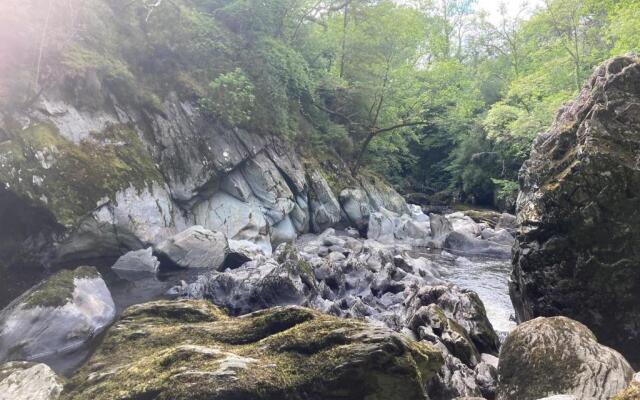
[434,95]
[191,350]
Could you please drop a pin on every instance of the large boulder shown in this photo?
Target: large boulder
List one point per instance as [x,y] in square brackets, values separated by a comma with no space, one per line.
[190,349]
[577,245]
[56,316]
[21,380]
[195,247]
[557,355]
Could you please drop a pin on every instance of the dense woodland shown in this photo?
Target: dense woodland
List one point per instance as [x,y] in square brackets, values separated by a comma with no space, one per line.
[430,94]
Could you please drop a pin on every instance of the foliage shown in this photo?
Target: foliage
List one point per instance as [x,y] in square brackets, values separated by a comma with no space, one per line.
[230,98]
[435,96]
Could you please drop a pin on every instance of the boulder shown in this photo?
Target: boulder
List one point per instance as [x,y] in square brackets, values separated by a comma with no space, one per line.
[440,227]
[382,226]
[56,316]
[548,356]
[139,261]
[355,205]
[324,208]
[190,349]
[576,252]
[462,306]
[464,224]
[21,380]
[195,247]
[259,284]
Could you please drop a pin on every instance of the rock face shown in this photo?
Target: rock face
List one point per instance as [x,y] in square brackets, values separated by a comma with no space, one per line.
[576,253]
[58,315]
[190,349]
[195,247]
[548,356]
[79,185]
[29,381]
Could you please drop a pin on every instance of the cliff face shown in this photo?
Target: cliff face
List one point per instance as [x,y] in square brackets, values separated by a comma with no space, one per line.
[576,252]
[80,183]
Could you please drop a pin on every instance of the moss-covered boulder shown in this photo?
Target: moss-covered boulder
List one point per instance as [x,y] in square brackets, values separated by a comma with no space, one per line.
[56,316]
[191,350]
[548,356]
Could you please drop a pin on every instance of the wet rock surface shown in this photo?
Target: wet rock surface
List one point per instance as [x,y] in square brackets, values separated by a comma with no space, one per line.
[29,381]
[56,316]
[548,356]
[576,252]
[190,349]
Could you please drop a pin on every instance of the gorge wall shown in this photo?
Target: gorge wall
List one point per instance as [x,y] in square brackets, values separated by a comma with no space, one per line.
[88,180]
[576,251]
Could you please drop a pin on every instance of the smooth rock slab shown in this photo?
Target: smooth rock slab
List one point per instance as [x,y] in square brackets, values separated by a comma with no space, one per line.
[549,356]
[29,381]
[185,350]
[139,261]
[195,247]
[58,315]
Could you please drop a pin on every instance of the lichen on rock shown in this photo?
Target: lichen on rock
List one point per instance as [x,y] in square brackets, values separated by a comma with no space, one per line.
[191,350]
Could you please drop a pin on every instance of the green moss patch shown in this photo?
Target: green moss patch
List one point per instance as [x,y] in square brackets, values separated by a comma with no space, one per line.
[71,179]
[58,289]
[279,353]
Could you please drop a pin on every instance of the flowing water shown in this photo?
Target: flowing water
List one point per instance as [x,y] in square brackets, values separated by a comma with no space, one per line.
[489,277]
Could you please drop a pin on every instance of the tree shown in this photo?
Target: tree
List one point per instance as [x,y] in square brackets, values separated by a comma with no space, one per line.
[375,89]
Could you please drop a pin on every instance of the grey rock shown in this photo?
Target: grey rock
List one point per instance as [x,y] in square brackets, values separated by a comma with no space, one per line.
[382,226]
[195,247]
[355,204]
[56,316]
[580,365]
[139,260]
[323,205]
[29,381]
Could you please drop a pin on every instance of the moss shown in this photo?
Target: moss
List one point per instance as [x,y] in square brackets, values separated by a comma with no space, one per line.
[525,369]
[293,262]
[630,393]
[71,179]
[58,289]
[285,353]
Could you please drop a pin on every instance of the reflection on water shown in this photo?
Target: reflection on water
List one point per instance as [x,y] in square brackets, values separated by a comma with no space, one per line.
[485,276]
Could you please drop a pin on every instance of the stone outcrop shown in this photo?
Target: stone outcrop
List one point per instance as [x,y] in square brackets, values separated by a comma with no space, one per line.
[81,184]
[576,253]
[56,316]
[556,355]
[190,349]
[29,381]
